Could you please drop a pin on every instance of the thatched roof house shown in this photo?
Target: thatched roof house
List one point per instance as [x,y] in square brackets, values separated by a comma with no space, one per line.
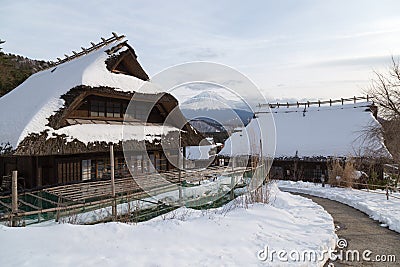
[57,126]
[309,135]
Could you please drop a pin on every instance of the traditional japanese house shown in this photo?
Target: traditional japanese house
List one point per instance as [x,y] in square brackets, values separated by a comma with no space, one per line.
[309,135]
[58,125]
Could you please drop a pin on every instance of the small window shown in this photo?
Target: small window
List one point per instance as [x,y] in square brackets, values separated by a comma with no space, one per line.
[97,108]
[113,110]
[86,169]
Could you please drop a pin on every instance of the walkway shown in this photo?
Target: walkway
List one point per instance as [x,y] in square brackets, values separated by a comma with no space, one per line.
[361,233]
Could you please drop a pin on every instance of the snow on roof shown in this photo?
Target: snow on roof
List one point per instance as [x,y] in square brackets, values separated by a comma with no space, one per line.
[246,141]
[339,130]
[86,133]
[26,109]
[199,152]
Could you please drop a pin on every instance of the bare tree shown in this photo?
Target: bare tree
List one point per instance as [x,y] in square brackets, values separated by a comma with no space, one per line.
[385,90]
[1,42]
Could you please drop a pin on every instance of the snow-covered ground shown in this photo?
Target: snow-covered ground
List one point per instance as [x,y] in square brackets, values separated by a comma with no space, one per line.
[373,203]
[232,235]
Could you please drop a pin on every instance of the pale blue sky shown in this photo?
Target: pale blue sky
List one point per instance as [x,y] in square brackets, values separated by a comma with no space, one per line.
[290,49]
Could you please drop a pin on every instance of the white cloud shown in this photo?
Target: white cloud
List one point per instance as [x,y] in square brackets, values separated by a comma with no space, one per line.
[273,42]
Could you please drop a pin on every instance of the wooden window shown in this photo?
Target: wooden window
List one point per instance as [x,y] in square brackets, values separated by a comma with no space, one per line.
[121,170]
[97,108]
[99,169]
[93,169]
[114,110]
[86,169]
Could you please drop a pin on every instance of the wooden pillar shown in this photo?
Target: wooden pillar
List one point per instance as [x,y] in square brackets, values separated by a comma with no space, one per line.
[114,202]
[180,167]
[14,197]
[387,192]
[232,195]
[39,183]
[38,173]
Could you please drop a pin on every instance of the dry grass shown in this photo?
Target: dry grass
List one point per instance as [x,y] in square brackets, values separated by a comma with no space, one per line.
[349,174]
[339,175]
[335,173]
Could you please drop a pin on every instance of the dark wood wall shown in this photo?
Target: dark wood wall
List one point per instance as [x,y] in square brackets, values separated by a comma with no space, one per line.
[42,171]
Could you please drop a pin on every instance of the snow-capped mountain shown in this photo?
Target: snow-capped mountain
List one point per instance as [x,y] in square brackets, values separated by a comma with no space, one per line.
[208,104]
[212,100]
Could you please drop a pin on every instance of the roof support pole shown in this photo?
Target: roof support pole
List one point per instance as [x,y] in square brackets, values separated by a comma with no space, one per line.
[114,202]
[180,167]
[14,198]
[232,193]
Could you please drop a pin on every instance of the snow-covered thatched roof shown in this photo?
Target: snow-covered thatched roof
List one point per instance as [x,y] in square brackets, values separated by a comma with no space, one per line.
[326,131]
[27,108]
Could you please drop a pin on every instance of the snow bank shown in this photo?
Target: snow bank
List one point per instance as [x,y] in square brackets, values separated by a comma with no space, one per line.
[375,205]
[228,236]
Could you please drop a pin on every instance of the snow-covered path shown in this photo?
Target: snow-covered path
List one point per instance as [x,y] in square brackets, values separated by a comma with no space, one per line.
[229,236]
[361,234]
[373,204]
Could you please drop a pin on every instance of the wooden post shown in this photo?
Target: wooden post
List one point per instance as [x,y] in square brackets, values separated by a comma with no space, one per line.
[262,162]
[38,173]
[39,184]
[387,192]
[14,197]
[232,195]
[180,166]
[114,203]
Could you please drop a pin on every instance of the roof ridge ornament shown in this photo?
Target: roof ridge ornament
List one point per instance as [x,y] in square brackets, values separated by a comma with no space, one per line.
[343,101]
[104,42]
